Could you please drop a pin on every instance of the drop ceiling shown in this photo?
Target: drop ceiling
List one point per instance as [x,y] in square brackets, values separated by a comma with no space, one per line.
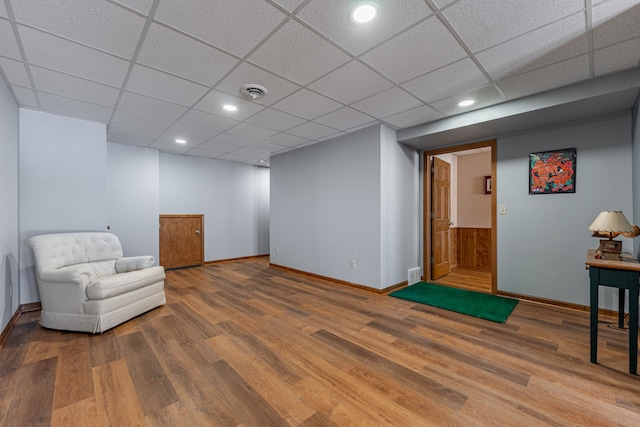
[157,70]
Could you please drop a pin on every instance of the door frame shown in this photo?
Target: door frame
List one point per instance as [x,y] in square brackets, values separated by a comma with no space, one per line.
[426,209]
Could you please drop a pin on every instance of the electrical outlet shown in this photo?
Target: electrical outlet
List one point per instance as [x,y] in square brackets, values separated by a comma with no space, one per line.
[277,251]
[353,263]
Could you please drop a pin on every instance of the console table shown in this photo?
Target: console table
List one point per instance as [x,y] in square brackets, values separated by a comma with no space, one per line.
[624,274]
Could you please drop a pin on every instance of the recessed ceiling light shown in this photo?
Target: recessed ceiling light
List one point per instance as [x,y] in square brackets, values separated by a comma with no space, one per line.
[364,12]
[181,141]
[466,102]
[229,107]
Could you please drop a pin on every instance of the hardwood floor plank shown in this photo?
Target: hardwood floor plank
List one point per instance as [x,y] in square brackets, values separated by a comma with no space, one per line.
[243,344]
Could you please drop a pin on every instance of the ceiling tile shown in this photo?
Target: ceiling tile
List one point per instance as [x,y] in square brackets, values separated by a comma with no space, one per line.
[154,107]
[140,120]
[169,147]
[227,139]
[615,21]
[265,146]
[190,133]
[26,97]
[617,57]
[190,59]
[550,44]
[387,103]
[217,147]
[344,118]
[298,54]
[246,130]
[213,102]
[488,95]
[216,22]
[61,55]
[290,5]
[458,77]
[273,119]
[207,121]
[73,87]
[157,84]
[198,152]
[133,131]
[15,72]
[351,82]
[233,158]
[247,73]
[312,130]
[287,140]
[424,48]
[251,152]
[74,108]
[87,22]
[307,104]
[547,78]
[331,17]
[142,6]
[413,117]
[8,44]
[485,23]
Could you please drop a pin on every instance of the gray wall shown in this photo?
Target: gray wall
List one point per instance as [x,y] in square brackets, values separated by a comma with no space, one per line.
[9,239]
[342,200]
[71,179]
[133,198]
[543,239]
[233,197]
[63,182]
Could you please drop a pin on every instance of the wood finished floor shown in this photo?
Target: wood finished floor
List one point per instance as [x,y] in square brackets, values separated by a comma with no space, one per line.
[242,344]
[473,279]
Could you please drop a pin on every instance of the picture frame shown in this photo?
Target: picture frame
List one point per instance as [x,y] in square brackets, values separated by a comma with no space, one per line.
[487,184]
[552,172]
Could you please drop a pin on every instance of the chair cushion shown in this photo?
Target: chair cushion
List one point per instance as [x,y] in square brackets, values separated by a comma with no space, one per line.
[117,284]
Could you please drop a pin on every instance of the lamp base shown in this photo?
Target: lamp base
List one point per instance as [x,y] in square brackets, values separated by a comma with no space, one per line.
[610,249]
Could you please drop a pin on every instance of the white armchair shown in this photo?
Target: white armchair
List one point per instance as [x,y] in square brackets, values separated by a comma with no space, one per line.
[87,285]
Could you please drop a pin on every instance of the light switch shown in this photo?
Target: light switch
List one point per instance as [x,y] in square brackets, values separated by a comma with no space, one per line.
[503,209]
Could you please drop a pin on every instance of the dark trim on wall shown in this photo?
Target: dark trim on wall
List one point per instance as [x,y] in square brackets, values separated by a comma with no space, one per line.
[23,308]
[341,282]
[569,305]
[218,261]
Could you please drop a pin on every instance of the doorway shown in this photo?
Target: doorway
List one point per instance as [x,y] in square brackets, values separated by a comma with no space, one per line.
[181,240]
[474,247]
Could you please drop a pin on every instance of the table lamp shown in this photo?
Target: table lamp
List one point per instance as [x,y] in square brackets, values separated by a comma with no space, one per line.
[611,224]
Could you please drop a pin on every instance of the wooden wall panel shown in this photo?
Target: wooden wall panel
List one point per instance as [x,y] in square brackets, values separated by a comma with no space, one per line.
[472,247]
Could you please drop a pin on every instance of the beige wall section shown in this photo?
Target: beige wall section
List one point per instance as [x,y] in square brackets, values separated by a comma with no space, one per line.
[473,206]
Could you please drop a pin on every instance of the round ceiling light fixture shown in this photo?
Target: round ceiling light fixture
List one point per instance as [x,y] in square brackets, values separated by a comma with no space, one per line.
[229,107]
[181,141]
[253,91]
[466,103]
[364,12]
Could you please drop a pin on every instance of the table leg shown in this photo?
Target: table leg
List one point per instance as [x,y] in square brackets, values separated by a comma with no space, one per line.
[633,327]
[593,322]
[621,295]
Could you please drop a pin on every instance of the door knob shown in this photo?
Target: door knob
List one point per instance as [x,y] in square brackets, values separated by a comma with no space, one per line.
[451,223]
[197,231]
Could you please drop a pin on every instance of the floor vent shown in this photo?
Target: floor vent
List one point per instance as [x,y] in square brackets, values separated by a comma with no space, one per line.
[413,275]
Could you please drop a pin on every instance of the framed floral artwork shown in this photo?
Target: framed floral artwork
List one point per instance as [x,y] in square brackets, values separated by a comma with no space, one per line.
[552,172]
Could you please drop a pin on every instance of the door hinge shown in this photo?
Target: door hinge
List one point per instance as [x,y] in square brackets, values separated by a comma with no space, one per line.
[433,260]
[433,215]
[433,169]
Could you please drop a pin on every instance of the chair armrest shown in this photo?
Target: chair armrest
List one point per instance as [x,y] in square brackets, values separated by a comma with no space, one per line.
[132,263]
[66,276]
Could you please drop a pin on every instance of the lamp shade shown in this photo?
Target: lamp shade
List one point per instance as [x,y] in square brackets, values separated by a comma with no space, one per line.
[611,222]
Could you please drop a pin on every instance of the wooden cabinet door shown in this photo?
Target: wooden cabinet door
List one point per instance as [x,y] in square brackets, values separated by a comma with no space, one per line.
[181,240]
[441,219]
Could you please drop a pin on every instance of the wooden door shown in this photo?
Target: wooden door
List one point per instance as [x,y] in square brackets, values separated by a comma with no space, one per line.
[181,240]
[441,218]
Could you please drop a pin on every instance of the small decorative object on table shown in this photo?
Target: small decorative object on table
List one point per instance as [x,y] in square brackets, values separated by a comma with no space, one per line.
[611,224]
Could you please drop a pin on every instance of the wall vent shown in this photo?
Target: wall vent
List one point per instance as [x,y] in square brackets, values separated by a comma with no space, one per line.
[413,275]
